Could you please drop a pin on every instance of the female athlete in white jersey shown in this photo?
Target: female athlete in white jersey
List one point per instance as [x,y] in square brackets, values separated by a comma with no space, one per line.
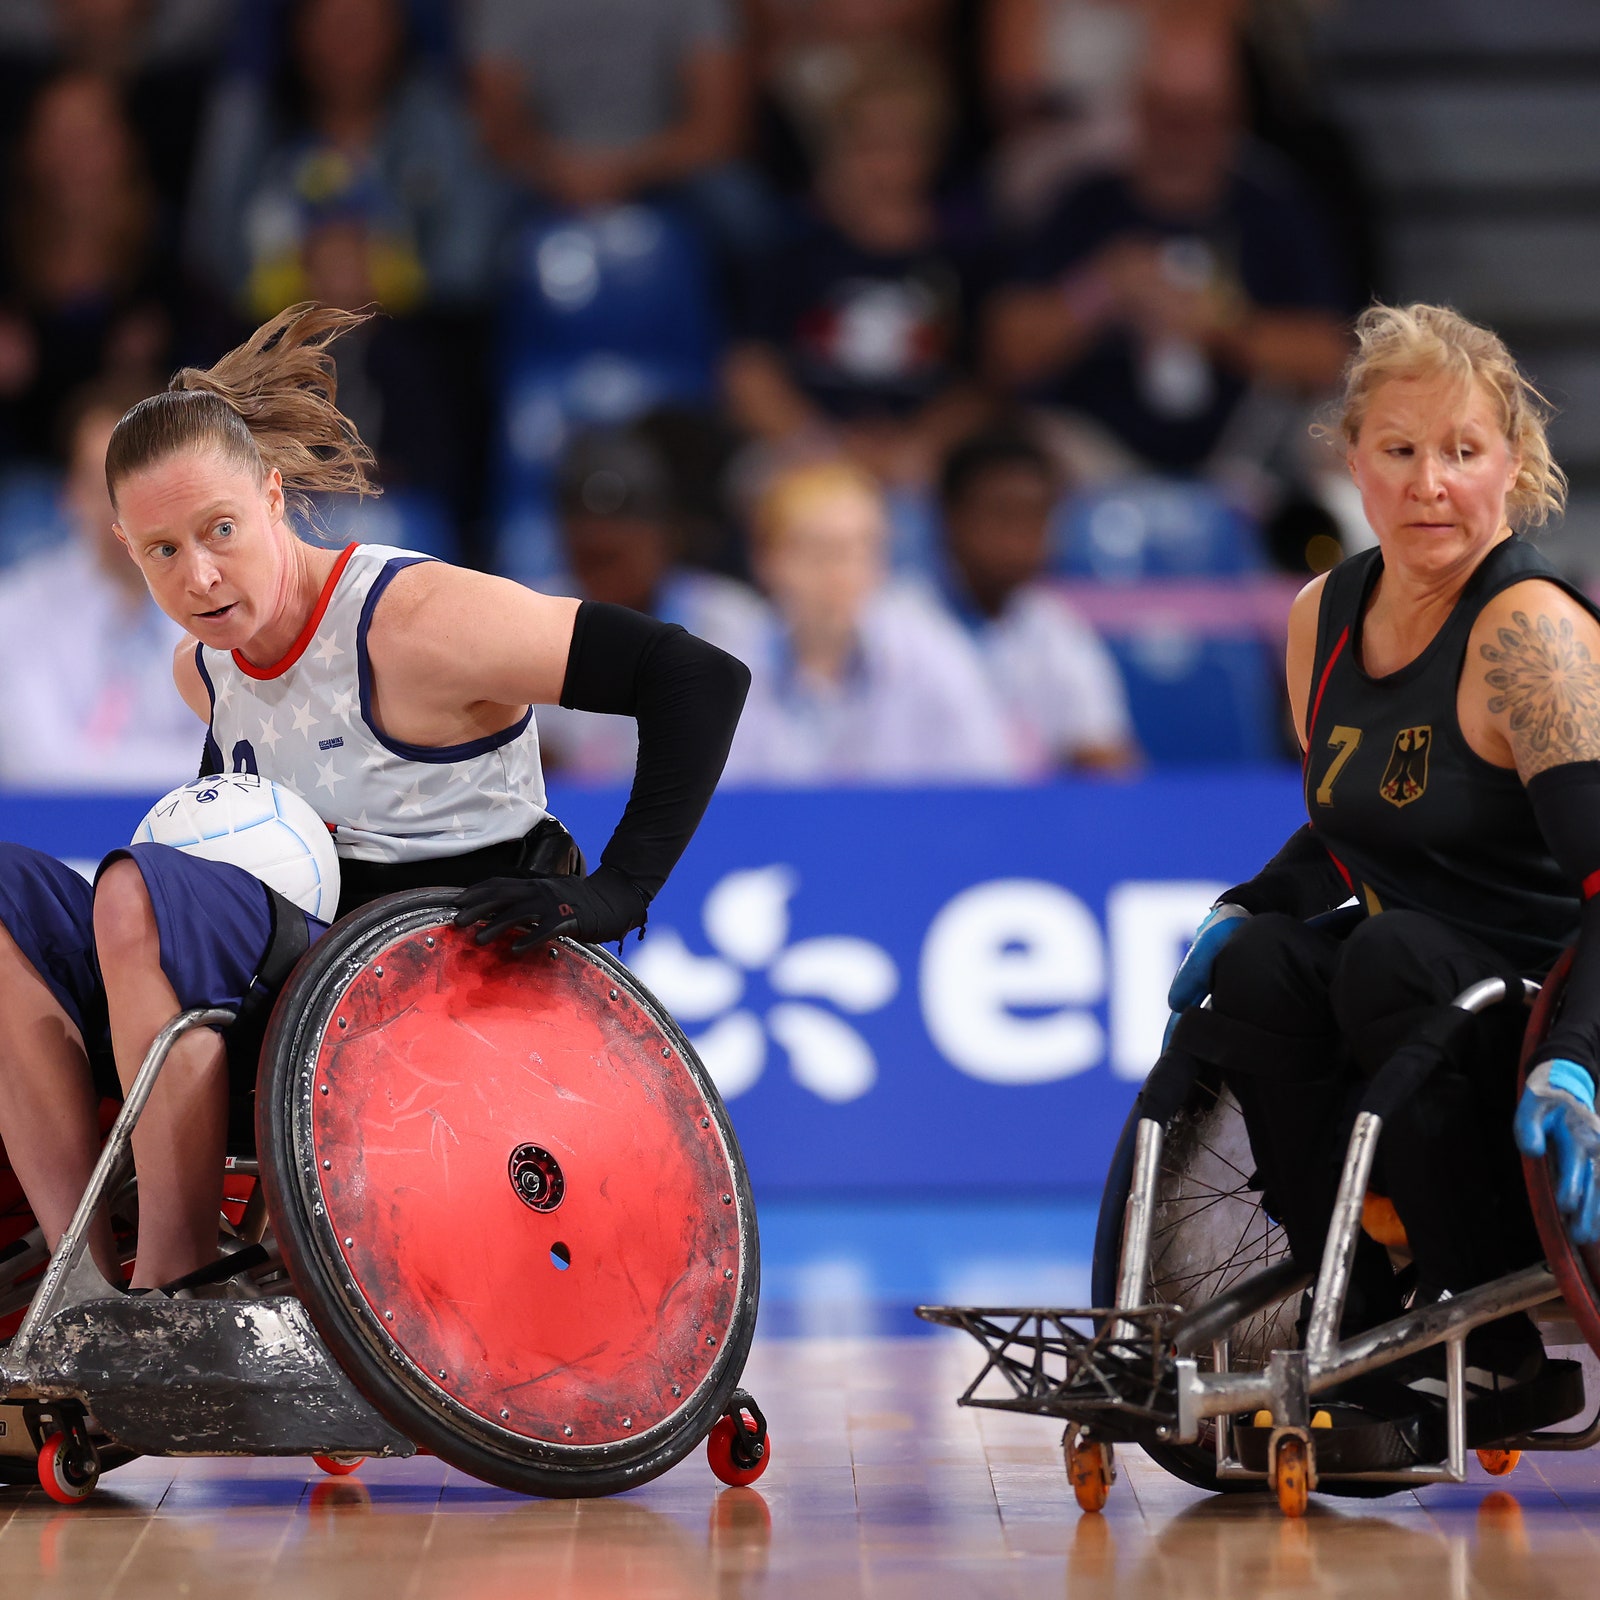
[393,693]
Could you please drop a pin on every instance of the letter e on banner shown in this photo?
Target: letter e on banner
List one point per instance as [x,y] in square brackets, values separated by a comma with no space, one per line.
[1150,926]
[1006,968]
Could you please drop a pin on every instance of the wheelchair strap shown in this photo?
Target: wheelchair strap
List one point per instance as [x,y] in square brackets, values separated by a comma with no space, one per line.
[290,940]
[1438,1039]
[1242,1047]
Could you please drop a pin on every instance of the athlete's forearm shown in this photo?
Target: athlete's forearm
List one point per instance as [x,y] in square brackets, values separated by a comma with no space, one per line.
[1566,801]
[686,696]
[1301,880]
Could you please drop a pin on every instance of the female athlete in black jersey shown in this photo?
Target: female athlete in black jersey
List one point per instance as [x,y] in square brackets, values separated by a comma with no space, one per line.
[1446,689]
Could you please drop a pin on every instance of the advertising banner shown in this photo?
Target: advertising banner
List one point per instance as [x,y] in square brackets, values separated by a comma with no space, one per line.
[954,992]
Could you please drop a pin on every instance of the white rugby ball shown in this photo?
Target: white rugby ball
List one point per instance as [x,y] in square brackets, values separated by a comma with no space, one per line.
[256,824]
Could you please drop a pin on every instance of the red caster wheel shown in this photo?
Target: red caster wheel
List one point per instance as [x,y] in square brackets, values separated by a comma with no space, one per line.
[68,1471]
[738,1448]
[338,1466]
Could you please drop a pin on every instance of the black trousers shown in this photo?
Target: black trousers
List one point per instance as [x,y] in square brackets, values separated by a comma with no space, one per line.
[1341,1010]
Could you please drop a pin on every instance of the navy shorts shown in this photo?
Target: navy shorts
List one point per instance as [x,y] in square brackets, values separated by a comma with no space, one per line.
[215,926]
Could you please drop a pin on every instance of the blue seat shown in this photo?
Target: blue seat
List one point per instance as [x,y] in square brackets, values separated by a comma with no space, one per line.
[1198,701]
[1155,528]
[607,316]
[633,281]
[31,514]
[409,518]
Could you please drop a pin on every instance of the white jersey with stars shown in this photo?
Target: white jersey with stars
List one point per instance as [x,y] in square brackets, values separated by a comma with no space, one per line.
[307,722]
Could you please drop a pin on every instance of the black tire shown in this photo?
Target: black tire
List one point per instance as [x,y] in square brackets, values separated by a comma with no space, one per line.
[359,1340]
[1256,1243]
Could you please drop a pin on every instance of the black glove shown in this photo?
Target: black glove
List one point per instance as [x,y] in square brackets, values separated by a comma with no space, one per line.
[599,909]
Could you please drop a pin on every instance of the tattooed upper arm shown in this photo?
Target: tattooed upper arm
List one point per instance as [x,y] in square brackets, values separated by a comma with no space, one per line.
[1541,669]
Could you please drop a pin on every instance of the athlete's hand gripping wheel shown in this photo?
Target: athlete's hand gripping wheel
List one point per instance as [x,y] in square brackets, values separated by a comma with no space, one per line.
[1556,1113]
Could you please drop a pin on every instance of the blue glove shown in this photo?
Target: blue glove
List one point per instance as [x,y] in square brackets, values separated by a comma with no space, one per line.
[1557,1113]
[1191,983]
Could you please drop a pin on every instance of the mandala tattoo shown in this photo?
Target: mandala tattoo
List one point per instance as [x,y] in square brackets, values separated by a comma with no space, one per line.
[1548,687]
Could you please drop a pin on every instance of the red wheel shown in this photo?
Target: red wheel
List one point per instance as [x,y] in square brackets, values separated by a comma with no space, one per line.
[510,1199]
[724,1454]
[68,1472]
[339,1466]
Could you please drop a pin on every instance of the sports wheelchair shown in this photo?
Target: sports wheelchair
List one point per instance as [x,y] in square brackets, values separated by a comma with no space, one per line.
[497,1213]
[1193,1349]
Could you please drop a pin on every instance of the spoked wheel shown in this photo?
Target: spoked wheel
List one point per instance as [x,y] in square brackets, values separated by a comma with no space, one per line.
[1090,1469]
[1209,1234]
[510,1197]
[69,1469]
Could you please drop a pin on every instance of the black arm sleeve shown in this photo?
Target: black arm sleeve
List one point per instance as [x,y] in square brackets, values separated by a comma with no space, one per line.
[1566,802]
[686,696]
[1301,880]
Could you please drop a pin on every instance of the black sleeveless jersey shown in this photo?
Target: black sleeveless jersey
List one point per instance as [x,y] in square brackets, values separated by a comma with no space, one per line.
[1413,817]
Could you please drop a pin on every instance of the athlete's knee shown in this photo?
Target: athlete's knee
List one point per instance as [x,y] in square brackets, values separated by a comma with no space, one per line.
[1384,966]
[1248,978]
[124,918]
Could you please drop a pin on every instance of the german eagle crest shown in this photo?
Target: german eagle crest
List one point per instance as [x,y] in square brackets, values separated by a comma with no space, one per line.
[1406,776]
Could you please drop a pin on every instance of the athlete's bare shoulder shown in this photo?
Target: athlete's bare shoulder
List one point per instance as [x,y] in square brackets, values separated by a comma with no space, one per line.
[1533,673]
[186,674]
[453,635]
[1302,651]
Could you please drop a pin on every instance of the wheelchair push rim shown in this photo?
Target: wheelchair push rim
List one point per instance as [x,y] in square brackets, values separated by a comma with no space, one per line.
[1576,1267]
[510,1197]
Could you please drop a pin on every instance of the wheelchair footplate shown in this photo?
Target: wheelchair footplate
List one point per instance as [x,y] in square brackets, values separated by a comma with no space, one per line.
[1108,1370]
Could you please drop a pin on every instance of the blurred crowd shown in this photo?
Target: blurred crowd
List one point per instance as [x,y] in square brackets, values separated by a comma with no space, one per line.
[949,361]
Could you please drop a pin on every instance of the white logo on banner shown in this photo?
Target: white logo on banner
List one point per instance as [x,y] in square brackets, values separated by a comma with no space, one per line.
[746,921]
[1011,972]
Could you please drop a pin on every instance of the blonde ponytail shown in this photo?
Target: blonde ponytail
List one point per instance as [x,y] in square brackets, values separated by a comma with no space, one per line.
[270,402]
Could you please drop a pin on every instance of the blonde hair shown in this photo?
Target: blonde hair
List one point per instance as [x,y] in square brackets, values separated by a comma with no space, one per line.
[268,403]
[1418,341]
[793,491]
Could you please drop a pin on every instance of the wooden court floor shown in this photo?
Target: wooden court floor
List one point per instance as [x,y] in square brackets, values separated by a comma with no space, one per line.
[879,1487]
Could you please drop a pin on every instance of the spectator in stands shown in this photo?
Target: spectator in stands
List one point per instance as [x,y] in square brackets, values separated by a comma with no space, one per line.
[83,282]
[854,336]
[1059,76]
[392,382]
[350,112]
[1157,296]
[808,51]
[1057,679]
[160,54]
[102,714]
[857,680]
[594,105]
[619,522]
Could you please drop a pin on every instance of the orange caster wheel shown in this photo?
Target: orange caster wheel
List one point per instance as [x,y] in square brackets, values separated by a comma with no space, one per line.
[1293,1477]
[1090,1469]
[1498,1463]
[68,1471]
[738,1448]
[339,1466]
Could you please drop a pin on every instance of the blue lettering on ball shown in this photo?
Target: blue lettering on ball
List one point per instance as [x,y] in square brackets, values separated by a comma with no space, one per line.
[330,744]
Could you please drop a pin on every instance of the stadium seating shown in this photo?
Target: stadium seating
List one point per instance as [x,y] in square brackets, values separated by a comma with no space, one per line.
[608,315]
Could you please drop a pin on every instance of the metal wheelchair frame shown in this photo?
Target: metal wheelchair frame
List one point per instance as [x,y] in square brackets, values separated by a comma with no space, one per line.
[1136,1377]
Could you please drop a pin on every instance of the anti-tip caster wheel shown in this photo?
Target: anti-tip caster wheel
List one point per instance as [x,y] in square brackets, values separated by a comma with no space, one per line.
[738,1448]
[1091,1469]
[1293,1478]
[68,1469]
[1499,1463]
[339,1466]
